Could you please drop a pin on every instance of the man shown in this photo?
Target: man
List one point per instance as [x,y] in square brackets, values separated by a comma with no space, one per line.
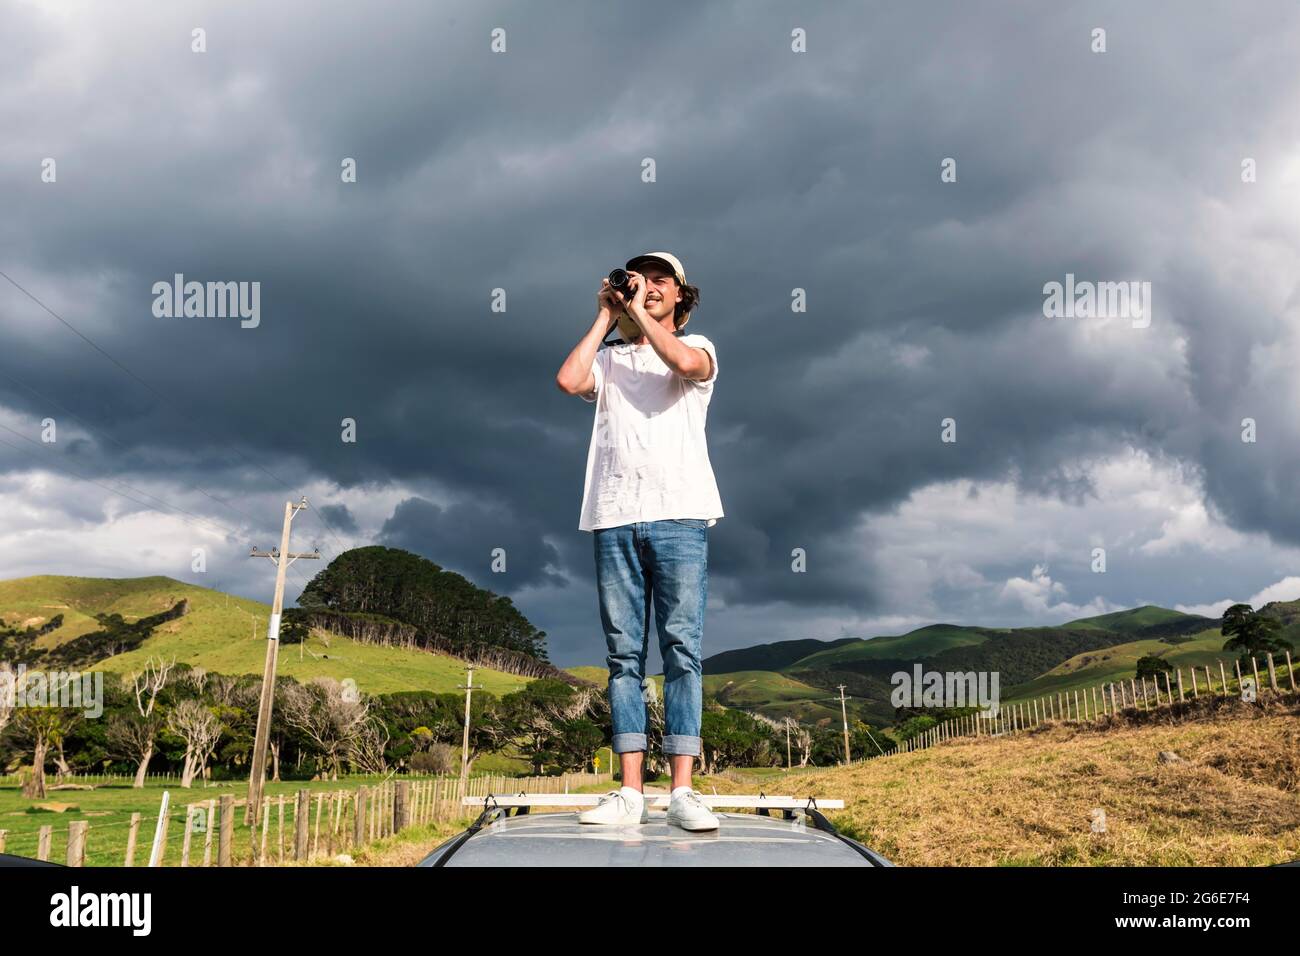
[649,499]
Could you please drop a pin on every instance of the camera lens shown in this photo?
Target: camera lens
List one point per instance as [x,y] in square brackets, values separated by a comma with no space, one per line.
[620,280]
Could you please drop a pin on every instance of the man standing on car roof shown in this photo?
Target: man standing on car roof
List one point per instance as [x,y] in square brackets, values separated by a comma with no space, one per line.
[650,499]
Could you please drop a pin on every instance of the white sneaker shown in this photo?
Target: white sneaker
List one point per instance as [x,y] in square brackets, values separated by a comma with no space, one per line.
[619,807]
[687,810]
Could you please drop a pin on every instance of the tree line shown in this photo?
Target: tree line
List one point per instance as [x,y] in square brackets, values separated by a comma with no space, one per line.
[200,725]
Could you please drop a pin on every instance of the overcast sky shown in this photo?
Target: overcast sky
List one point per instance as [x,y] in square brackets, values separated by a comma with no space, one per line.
[774,171]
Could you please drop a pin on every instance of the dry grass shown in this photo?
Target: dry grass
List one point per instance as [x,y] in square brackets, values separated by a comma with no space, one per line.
[405,849]
[1027,800]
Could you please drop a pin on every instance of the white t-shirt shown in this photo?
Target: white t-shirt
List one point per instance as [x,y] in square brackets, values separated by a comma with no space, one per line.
[648,458]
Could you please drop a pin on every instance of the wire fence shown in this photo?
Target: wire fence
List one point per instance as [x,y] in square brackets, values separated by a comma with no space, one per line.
[1098,702]
[307,826]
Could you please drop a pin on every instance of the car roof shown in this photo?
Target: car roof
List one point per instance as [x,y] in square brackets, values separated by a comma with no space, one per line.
[558,839]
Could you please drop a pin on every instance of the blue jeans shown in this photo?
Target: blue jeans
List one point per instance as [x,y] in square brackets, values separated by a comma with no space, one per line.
[664,563]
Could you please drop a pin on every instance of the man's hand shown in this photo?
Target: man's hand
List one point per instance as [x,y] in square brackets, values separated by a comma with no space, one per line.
[636,308]
[609,300]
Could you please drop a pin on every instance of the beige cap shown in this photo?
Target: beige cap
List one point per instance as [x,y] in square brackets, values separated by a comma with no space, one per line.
[627,325]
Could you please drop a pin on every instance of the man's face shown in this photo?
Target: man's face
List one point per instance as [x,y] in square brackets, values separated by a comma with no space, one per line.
[662,291]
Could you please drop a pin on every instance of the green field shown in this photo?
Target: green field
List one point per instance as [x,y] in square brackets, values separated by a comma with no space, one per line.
[108,810]
[597,675]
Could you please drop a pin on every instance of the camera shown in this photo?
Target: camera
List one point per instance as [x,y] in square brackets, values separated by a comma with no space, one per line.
[623,283]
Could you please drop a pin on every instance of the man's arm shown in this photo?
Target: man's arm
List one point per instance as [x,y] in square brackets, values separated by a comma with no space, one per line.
[575,376]
[686,361]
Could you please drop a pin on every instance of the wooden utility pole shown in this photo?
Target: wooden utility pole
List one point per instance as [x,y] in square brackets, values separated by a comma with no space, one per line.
[469,688]
[282,558]
[844,714]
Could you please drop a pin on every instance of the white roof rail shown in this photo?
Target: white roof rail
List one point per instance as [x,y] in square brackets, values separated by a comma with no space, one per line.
[655,801]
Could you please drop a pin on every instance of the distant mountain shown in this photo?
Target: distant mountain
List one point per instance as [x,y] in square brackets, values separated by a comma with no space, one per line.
[768,657]
[922,642]
[1138,619]
[1023,656]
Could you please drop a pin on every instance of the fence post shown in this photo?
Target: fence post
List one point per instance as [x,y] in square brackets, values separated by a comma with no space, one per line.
[359,824]
[1272,673]
[1181,698]
[189,834]
[227,837]
[159,847]
[77,843]
[301,814]
[3,834]
[1254,666]
[43,844]
[1290,671]
[1223,679]
[1195,690]
[1132,685]
[315,840]
[211,825]
[131,838]
[259,848]
[402,805]
[279,830]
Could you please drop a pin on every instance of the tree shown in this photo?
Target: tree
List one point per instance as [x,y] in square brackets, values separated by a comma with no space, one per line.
[8,688]
[330,718]
[366,749]
[438,604]
[1252,633]
[138,738]
[134,737]
[40,728]
[1150,666]
[200,728]
[551,724]
[736,738]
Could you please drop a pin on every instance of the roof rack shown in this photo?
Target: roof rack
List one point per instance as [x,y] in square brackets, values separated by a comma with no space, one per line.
[655,801]
[498,806]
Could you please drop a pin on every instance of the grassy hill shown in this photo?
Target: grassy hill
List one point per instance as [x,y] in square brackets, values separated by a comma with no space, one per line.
[772,695]
[226,634]
[1134,619]
[1027,800]
[1120,661]
[769,657]
[922,642]
[596,674]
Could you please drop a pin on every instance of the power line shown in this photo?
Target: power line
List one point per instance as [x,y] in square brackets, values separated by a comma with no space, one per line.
[153,391]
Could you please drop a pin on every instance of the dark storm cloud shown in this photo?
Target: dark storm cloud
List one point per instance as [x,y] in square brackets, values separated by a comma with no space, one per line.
[340,518]
[521,171]
[475,540]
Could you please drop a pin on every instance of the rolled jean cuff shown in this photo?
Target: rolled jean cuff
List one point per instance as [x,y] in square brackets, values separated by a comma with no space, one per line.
[682,745]
[629,743]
